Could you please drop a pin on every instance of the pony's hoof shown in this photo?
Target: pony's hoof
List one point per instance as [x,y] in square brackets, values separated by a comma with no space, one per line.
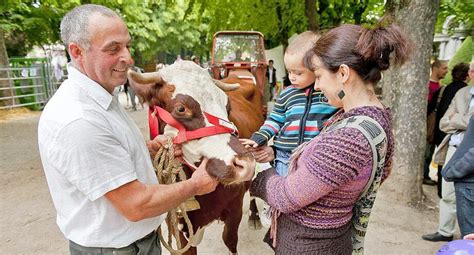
[254,224]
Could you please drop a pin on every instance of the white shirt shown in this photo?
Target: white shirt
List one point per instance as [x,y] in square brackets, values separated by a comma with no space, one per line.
[89,146]
[270,75]
[471,104]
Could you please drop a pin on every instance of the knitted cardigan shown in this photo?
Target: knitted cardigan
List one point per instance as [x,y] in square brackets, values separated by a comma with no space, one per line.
[297,117]
[329,175]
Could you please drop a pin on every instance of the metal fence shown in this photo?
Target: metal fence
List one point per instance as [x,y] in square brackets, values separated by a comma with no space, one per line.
[28,82]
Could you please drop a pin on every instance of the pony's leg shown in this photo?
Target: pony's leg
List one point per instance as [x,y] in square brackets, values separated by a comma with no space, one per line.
[231,226]
[254,220]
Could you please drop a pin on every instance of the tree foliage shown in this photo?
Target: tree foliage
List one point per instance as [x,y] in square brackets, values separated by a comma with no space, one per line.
[161,26]
[176,25]
[463,11]
[31,23]
[465,54]
[173,25]
[279,19]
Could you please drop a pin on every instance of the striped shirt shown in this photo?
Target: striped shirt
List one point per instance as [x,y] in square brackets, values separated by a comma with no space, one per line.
[297,117]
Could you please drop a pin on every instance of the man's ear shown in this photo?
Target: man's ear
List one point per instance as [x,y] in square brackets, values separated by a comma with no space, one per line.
[344,72]
[75,51]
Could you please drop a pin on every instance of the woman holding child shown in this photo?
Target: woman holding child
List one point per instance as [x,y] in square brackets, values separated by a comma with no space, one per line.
[314,203]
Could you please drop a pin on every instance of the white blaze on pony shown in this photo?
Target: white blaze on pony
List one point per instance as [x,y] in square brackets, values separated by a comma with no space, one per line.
[187,92]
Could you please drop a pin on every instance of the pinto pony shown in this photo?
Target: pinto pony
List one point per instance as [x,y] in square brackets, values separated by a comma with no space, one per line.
[199,104]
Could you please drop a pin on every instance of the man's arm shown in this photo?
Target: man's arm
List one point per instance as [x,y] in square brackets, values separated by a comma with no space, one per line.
[461,167]
[137,201]
[456,119]
[461,164]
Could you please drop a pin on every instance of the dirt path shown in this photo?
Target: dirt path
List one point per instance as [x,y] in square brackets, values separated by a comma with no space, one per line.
[27,224]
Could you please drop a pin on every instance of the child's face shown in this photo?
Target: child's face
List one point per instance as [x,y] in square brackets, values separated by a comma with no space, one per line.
[300,76]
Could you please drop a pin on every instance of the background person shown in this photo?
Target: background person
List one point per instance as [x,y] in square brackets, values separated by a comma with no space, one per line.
[460,74]
[196,60]
[439,69]
[460,170]
[128,89]
[271,78]
[454,123]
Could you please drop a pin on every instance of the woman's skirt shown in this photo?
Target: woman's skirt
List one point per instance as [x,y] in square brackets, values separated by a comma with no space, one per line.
[294,238]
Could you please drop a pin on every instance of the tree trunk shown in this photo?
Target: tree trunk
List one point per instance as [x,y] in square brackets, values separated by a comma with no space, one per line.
[4,74]
[310,12]
[406,92]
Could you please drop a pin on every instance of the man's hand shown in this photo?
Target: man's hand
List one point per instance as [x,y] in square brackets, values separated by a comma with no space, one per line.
[469,237]
[159,141]
[203,181]
[248,143]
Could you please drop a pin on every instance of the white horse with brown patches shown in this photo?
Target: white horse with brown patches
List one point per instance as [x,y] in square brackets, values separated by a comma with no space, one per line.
[195,108]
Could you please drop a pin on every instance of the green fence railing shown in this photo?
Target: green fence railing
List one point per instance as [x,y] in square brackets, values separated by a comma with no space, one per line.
[30,83]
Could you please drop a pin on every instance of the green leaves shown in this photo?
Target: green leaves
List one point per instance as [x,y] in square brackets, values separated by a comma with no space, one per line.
[175,25]
[463,11]
[29,23]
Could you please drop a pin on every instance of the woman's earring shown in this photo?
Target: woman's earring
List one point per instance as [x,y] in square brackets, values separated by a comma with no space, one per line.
[341,94]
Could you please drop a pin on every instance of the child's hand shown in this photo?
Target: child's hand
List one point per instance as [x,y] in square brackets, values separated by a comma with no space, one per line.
[248,143]
[264,154]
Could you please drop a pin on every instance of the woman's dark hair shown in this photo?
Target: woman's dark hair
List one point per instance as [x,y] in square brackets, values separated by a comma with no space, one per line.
[460,72]
[367,51]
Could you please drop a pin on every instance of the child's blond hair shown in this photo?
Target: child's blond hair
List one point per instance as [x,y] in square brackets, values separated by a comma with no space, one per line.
[302,43]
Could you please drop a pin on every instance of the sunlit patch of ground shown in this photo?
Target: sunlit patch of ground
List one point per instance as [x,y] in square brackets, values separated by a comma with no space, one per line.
[15,113]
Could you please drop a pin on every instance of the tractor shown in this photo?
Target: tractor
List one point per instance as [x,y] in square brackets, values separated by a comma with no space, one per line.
[240,53]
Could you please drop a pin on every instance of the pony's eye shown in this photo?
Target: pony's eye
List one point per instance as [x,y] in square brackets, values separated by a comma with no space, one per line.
[181,109]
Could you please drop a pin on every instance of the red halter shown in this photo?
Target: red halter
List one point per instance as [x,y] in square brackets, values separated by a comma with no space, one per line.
[220,126]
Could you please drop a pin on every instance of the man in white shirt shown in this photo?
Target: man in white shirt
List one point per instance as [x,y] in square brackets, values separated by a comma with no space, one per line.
[97,165]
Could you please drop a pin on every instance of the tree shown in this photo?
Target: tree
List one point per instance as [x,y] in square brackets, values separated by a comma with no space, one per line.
[280,19]
[3,74]
[406,92]
[31,23]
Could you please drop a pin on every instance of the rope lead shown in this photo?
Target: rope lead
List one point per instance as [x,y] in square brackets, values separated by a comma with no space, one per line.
[169,170]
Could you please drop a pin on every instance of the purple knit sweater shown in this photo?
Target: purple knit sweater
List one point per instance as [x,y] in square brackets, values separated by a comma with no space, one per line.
[329,176]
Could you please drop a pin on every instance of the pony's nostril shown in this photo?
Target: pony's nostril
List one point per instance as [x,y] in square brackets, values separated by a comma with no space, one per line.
[234,163]
[239,162]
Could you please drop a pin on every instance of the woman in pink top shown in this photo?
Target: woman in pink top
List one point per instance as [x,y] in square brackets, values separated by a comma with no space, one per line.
[326,177]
